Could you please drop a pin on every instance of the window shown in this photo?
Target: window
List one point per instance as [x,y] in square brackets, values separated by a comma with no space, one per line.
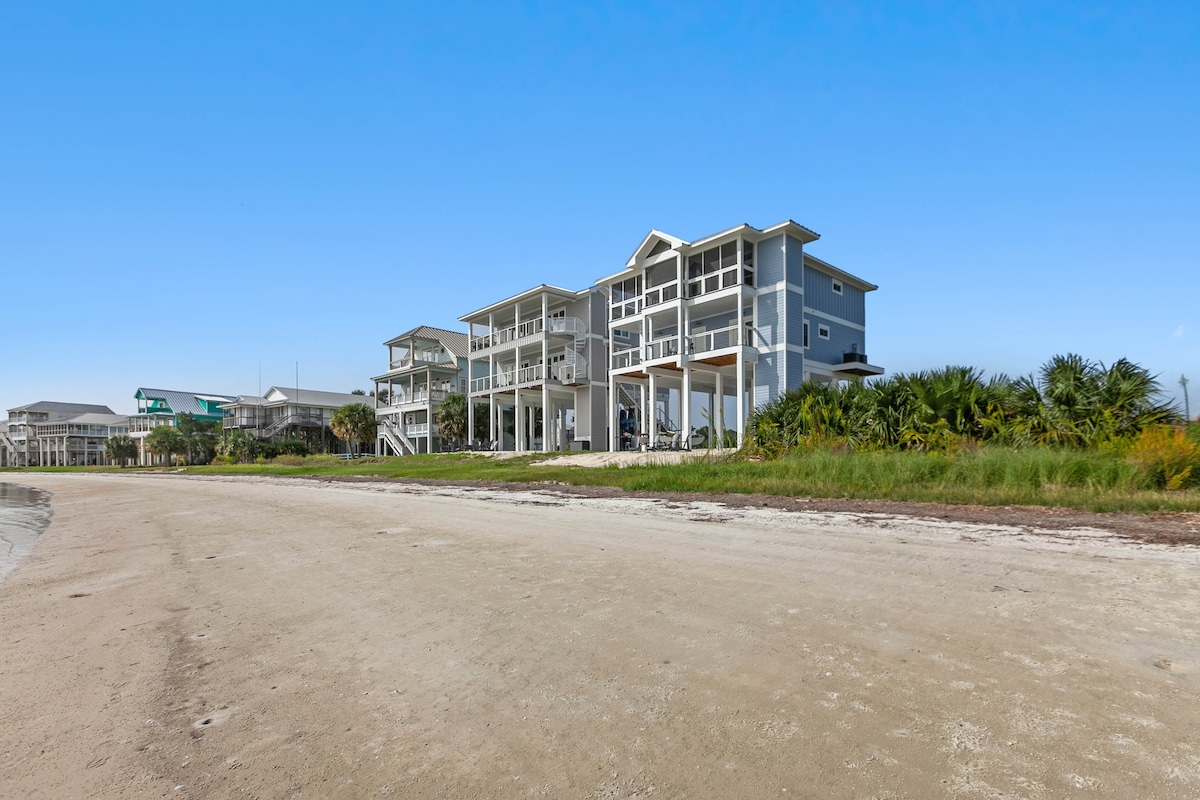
[806,334]
[837,287]
[823,331]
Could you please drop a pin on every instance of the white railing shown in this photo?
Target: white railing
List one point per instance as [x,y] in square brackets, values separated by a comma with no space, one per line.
[625,308]
[662,348]
[527,375]
[662,293]
[713,282]
[715,340]
[417,429]
[512,333]
[418,396]
[426,359]
[629,357]
[568,325]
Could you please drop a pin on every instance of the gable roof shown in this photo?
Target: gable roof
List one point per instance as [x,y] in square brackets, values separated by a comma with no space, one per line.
[456,343]
[648,244]
[183,402]
[283,395]
[50,405]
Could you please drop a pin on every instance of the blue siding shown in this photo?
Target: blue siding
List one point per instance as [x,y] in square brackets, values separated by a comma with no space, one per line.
[769,261]
[795,261]
[818,294]
[795,318]
[795,370]
[770,318]
[715,322]
[768,378]
[841,337]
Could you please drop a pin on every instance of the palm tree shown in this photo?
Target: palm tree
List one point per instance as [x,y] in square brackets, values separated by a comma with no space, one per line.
[452,418]
[355,423]
[166,441]
[121,448]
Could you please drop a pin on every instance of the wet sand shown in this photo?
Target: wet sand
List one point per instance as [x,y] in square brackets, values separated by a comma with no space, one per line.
[176,637]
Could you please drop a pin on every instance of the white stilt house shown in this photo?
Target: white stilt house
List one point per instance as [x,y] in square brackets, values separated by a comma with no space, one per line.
[425,365]
[537,371]
[701,332]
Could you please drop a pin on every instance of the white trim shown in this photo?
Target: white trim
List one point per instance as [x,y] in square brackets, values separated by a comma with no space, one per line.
[834,318]
[823,332]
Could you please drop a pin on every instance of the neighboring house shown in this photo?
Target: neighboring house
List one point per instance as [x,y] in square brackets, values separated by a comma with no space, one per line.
[289,413]
[424,366]
[79,440]
[19,442]
[732,320]
[163,406]
[537,367]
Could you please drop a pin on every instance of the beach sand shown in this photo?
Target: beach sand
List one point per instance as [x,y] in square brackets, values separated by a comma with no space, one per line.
[183,637]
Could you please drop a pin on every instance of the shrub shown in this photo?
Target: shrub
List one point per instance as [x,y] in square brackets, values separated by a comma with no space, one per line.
[288,460]
[1168,456]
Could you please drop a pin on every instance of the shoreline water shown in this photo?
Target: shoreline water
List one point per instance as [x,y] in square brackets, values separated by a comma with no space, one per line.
[24,515]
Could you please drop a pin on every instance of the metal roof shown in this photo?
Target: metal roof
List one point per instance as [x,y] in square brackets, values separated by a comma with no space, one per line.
[457,343]
[183,402]
[90,419]
[283,395]
[50,405]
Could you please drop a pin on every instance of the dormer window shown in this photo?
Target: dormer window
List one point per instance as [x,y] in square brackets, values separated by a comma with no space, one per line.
[837,287]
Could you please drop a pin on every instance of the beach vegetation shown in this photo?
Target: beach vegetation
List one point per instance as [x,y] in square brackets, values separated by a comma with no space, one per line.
[121,449]
[354,424]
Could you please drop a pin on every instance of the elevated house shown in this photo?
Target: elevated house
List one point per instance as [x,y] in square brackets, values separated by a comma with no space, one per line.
[425,365]
[536,363]
[157,407]
[22,445]
[289,413]
[702,332]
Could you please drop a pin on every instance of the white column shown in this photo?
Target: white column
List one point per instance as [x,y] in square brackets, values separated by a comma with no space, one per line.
[652,417]
[740,383]
[685,409]
[718,416]
[491,418]
[518,420]
[614,435]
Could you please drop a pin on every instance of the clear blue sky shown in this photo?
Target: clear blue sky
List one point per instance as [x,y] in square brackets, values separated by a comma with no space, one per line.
[192,191]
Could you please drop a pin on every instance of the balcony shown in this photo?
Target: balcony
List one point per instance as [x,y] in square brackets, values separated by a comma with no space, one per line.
[662,348]
[718,339]
[424,360]
[417,429]
[663,293]
[855,363]
[419,396]
[629,357]
[507,335]
[509,379]
[699,285]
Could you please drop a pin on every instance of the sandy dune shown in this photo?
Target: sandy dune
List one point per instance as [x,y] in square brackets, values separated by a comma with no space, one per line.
[184,637]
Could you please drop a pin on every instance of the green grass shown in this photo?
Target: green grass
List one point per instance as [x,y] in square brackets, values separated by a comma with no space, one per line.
[989,476]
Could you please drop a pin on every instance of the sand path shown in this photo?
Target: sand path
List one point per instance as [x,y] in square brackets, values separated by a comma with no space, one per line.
[184,637]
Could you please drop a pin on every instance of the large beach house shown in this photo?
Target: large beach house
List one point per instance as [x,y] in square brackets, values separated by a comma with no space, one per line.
[289,413]
[537,371]
[157,407]
[424,366]
[731,320]
[49,433]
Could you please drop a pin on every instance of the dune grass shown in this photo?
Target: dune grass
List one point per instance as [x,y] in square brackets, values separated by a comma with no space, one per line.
[988,476]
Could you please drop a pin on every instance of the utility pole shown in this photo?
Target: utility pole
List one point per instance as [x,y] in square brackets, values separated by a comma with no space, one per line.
[1187,411]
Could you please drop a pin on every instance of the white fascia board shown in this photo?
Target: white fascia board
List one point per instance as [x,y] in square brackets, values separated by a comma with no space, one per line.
[832,318]
[805,235]
[829,269]
[565,294]
[700,244]
[654,233]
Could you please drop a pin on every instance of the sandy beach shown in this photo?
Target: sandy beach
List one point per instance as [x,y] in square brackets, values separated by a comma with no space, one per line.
[173,636]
